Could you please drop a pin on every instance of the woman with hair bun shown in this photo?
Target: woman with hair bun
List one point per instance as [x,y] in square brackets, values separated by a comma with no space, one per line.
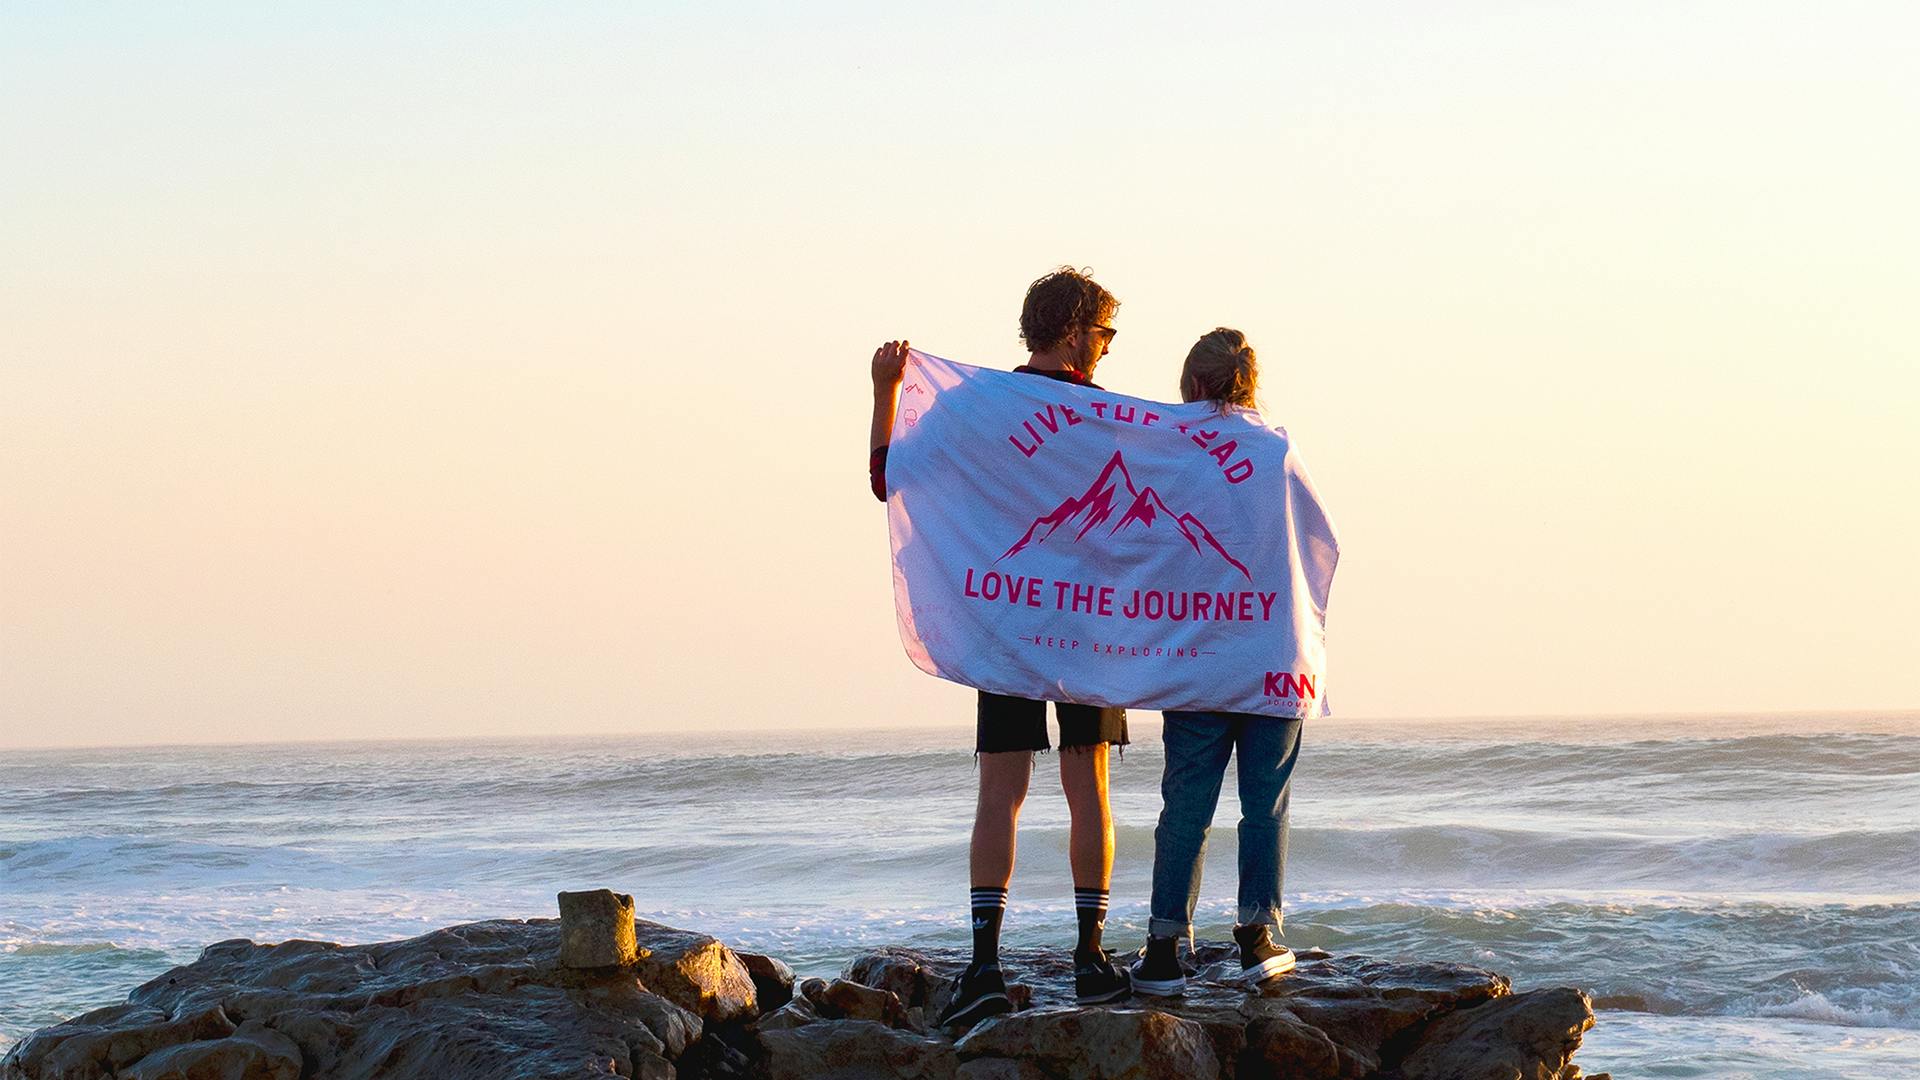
[1221,368]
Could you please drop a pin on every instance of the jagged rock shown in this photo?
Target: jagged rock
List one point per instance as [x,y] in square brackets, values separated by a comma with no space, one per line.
[483,957]
[1280,1046]
[1447,986]
[1096,1043]
[1372,1010]
[101,1043]
[713,1059]
[908,974]
[854,1050]
[695,972]
[650,1067]
[1344,1016]
[492,1000]
[843,1000]
[1367,1030]
[319,1035]
[253,1052]
[796,1013]
[596,929]
[923,979]
[529,1031]
[772,980]
[673,1027]
[481,1000]
[1218,1015]
[1529,1036]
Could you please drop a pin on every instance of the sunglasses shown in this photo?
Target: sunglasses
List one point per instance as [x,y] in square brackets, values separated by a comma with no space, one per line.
[1106,332]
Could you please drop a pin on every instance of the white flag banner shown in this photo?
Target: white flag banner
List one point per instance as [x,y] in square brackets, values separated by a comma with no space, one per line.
[1057,542]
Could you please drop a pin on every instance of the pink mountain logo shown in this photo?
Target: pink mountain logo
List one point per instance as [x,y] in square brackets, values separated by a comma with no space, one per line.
[1144,507]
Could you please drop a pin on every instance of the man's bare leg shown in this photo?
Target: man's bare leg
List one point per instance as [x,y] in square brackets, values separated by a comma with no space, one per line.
[1003,788]
[1083,775]
[996,817]
[981,990]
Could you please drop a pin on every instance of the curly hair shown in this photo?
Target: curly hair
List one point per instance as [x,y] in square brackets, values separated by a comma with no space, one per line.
[1221,368]
[1060,303]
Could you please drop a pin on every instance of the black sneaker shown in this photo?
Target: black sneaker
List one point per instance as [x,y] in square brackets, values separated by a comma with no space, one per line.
[977,994]
[1097,982]
[1260,958]
[1158,971]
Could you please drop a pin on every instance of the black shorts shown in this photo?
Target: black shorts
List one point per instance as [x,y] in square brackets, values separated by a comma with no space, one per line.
[1011,723]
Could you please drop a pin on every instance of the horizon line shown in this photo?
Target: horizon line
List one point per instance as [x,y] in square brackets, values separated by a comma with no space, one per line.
[1896,712]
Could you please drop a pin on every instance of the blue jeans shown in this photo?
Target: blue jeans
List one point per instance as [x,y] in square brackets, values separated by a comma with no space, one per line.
[1197,747]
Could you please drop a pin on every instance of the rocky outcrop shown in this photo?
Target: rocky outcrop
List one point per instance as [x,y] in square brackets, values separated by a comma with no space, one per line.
[1334,1017]
[1084,1044]
[486,999]
[842,999]
[253,1052]
[853,1050]
[494,999]
[106,1041]
[1525,1037]
[696,972]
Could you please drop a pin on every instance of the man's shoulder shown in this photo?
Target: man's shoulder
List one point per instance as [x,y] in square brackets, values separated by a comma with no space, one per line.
[1073,377]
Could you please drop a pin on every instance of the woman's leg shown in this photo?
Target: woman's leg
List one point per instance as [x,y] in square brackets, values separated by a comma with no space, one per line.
[1268,747]
[1197,746]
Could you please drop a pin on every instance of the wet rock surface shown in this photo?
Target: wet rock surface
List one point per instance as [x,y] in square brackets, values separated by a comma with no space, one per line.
[1529,1036]
[772,979]
[494,999]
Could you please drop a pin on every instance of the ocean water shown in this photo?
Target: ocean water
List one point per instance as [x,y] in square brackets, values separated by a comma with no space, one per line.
[1740,894]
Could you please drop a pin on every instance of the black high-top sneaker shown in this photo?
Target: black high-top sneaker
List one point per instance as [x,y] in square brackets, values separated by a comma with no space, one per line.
[1097,982]
[1158,971]
[978,992]
[1260,958]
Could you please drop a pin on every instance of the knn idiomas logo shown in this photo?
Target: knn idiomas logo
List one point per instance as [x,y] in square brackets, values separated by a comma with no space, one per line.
[1144,507]
[1285,684]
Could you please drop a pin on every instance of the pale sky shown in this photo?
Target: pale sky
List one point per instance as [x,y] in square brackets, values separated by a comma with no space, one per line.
[441,370]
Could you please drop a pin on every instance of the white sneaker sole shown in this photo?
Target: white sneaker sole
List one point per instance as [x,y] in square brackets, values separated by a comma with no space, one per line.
[1160,987]
[1268,968]
[990,1005]
[1119,993]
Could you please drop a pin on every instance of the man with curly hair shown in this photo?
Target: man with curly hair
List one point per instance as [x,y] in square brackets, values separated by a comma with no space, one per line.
[1066,324]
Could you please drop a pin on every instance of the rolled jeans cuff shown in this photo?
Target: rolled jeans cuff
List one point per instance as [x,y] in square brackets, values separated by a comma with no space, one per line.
[1260,916]
[1170,928]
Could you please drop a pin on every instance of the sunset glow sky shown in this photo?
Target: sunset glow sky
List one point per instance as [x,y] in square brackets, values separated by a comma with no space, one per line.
[502,370]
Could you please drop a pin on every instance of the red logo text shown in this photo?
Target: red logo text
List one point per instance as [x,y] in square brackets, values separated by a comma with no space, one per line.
[1286,684]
